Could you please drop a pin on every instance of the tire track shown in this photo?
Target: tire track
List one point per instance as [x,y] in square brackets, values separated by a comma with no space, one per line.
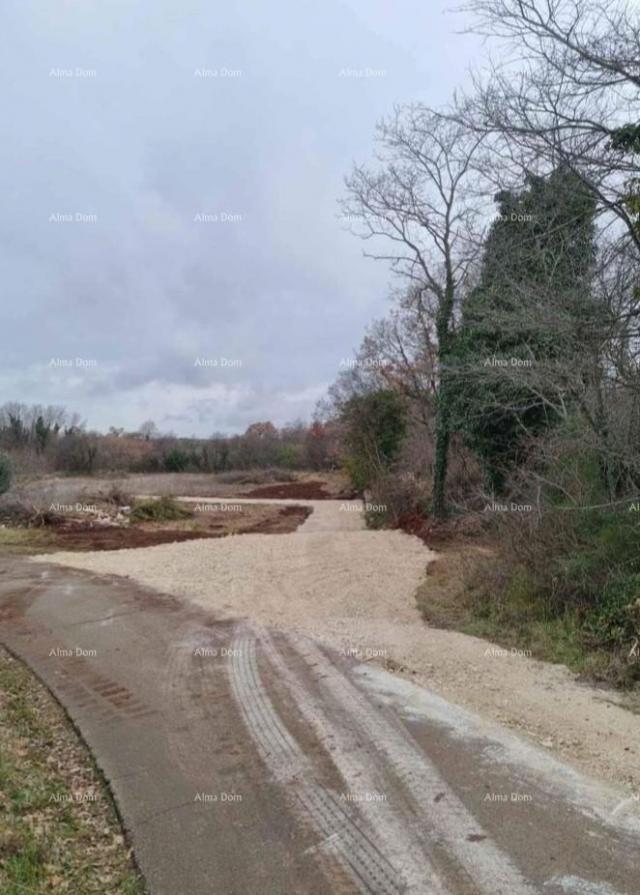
[492,871]
[371,870]
[401,845]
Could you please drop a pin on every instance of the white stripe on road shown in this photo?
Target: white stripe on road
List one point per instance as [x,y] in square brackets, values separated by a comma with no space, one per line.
[575,885]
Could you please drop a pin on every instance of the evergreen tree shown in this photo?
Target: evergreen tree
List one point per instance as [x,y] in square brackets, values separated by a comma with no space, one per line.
[530,318]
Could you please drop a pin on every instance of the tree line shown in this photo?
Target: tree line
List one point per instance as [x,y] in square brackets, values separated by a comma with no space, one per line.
[37,439]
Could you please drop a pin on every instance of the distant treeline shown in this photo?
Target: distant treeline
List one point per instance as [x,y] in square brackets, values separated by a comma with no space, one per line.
[51,439]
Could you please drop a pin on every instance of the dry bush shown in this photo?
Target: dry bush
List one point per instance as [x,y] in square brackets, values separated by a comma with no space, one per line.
[124,453]
[464,477]
[256,476]
[398,495]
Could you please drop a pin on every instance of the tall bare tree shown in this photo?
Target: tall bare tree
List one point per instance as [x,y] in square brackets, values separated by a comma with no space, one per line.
[417,207]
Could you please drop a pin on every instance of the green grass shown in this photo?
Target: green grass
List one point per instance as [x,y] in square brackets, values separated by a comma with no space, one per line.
[48,845]
[568,589]
[574,602]
[556,640]
[24,541]
[161,509]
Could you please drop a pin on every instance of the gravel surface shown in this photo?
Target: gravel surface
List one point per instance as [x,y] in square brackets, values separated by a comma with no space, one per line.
[354,590]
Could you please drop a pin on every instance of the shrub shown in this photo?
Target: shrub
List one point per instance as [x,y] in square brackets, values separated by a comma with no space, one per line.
[176,460]
[579,567]
[375,425]
[77,452]
[163,509]
[289,456]
[118,496]
[393,496]
[5,473]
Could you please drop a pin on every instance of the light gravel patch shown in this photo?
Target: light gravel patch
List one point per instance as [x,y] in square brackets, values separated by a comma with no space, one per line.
[294,580]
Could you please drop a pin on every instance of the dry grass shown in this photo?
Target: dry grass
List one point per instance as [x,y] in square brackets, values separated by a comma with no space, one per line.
[43,491]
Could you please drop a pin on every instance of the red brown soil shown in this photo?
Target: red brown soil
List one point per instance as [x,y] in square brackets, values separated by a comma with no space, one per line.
[82,537]
[122,538]
[287,520]
[438,532]
[314,490]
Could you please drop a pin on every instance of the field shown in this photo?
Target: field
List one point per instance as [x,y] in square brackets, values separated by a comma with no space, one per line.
[51,513]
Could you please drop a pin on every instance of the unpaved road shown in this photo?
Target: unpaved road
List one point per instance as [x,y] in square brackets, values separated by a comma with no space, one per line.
[247,758]
[353,590]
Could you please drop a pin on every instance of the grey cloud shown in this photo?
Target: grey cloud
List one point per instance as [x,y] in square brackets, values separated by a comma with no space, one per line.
[145,145]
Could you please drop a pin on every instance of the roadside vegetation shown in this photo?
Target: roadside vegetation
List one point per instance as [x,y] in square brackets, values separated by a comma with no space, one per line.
[161,509]
[496,409]
[38,440]
[59,829]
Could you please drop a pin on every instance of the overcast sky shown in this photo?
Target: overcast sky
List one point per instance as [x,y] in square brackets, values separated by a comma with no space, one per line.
[170,176]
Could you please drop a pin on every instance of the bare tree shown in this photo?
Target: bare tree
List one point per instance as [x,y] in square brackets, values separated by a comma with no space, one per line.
[418,209]
[567,81]
[148,430]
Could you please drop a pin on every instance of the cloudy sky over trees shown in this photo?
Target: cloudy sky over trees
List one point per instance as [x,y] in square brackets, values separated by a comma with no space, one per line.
[171,240]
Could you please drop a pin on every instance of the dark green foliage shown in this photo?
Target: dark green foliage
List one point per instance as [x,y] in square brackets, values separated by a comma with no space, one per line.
[574,571]
[626,138]
[164,509]
[375,424]
[176,460]
[5,473]
[18,433]
[596,572]
[42,433]
[77,452]
[531,310]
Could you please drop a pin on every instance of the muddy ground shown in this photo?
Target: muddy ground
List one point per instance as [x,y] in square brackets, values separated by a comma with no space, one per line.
[107,529]
[308,490]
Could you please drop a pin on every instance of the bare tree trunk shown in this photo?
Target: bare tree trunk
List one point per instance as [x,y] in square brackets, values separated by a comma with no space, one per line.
[443,401]
[443,438]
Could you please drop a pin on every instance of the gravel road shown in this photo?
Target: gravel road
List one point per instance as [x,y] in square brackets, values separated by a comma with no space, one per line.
[353,589]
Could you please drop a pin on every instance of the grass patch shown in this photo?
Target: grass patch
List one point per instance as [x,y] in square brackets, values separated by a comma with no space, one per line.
[551,638]
[566,588]
[161,509]
[58,827]
[452,597]
[376,519]
[24,541]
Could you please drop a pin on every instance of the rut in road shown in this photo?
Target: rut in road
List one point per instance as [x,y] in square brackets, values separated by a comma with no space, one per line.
[289,765]
[491,869]
[378,843]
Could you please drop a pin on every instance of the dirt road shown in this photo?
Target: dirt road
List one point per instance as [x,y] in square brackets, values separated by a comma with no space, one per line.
[247,758]
[353,590]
